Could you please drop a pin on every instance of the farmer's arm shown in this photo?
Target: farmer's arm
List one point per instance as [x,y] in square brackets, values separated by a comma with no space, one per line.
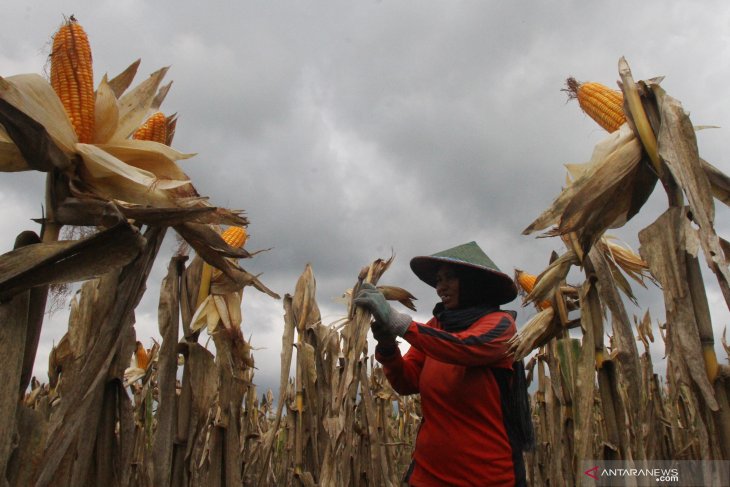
[403,372]
[484,343]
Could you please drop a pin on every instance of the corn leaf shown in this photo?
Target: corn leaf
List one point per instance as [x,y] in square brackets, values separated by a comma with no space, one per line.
[305,308]
[106,113]
[101,164]
[160,96]
[123,80]
[200,317]
[168,322]
[213,249]
[167,216]
[154,158]
[625,349]
[68,261]
[678,148]
[33,95]
[719,182]
[37,148]
[11,160]
[663,248]
[287,349]
[538,330]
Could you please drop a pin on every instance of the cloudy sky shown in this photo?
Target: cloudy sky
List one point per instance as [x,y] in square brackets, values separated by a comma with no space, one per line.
[350,130]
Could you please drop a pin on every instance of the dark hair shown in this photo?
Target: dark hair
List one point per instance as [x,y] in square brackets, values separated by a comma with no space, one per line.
[475,288]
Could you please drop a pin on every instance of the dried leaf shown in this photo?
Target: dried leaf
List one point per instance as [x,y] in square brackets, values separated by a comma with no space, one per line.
[167,409]
[287,349]
[662,246]
[395,293]
[146,154]
[535,333]
[68,261]
[132,375]
[168,217]
[586,375]
[106,113]
[33,95]
[200,317]
[222,309]
[304,307]
[123,80]
[11,160]
[678,148]
[160,97]
[101,164]
[719,182]
[31,140]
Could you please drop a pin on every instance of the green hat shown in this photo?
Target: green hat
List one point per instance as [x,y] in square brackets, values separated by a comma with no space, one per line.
[468,255]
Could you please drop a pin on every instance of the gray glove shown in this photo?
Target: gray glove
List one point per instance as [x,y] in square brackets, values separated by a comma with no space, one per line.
[385,315]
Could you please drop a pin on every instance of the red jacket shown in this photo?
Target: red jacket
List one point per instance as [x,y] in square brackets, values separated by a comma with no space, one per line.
[462,440]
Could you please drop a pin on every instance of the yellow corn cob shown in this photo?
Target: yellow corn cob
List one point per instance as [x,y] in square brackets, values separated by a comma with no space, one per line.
[600,102]
[142,356]
[235,236]
[72,77]
[711,366]
[154,129]
[526,282]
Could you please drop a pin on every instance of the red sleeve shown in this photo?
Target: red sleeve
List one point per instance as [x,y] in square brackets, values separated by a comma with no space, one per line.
[483,343]
[403,372]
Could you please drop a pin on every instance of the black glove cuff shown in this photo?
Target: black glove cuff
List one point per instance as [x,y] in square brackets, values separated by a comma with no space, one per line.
[386,349]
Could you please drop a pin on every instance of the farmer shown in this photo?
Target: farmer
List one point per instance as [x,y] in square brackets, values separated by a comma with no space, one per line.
[476,419]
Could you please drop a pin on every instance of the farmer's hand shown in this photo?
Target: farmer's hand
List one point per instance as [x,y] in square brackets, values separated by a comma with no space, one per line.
[392,322]
[381,333]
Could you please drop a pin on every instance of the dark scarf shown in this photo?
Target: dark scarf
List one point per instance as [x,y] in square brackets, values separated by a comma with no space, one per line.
[455,320]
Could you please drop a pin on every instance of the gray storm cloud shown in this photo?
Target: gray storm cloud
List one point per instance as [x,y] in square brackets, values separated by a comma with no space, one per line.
[348,131]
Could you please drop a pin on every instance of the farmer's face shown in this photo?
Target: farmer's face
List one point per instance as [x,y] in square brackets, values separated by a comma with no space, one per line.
[447,286]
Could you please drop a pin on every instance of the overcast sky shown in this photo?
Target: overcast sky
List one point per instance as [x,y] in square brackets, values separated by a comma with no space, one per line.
[348,130]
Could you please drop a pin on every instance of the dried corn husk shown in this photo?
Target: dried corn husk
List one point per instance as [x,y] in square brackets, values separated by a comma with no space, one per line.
[106,113]
[608,191]
[549,279]
[123,80]
[11,160]
[536,332]
[33,95]
[644,330]
[135,105]
[625,258]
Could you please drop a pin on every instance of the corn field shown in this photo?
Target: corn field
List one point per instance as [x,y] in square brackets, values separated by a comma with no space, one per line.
[181,415]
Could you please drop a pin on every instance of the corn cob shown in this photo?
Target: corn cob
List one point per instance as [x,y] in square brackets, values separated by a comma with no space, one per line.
[235,236]
[526,282]
[154,129]
[600,102]
[142,356]
[72,77]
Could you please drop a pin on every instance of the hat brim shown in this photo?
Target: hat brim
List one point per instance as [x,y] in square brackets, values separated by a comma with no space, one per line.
[503,288]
